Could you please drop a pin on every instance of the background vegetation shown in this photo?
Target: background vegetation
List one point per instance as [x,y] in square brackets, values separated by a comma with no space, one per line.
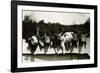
[30,28]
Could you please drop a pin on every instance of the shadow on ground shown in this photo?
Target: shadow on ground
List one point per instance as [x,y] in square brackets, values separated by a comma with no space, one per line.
[55,57]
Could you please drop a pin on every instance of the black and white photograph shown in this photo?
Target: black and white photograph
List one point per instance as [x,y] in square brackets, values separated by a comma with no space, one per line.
[55,36]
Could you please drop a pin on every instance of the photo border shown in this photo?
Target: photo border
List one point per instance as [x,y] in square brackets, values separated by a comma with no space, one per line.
[14,36]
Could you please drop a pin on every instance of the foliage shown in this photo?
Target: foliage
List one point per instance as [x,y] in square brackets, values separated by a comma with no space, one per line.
[30,28]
